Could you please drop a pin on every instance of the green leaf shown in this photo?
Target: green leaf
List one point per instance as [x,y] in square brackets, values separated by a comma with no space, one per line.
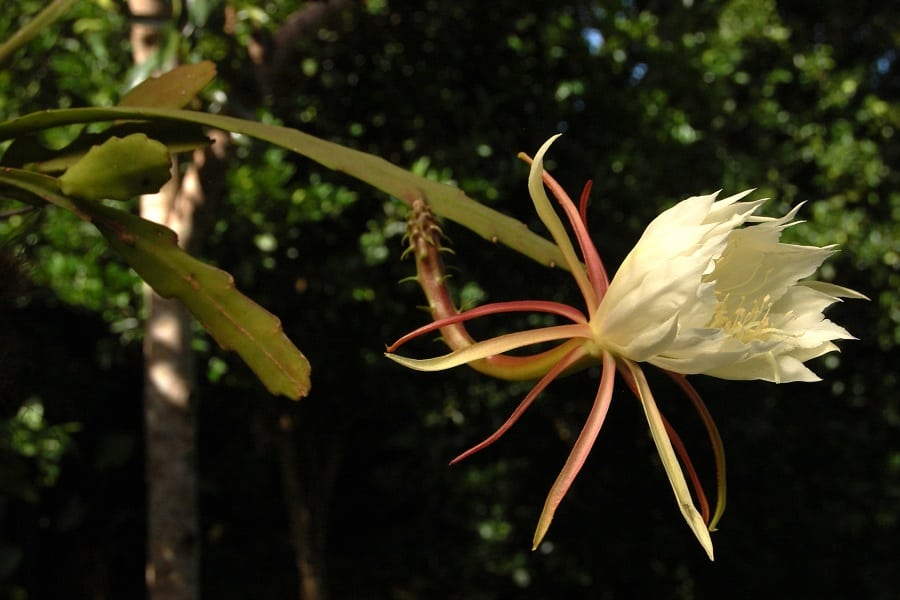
[29,152]
[173,89]
[447,201]
[235,321]
[28,187]
[118,169]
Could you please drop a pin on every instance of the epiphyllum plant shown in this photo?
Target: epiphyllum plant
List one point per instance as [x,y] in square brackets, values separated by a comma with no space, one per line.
[707,289]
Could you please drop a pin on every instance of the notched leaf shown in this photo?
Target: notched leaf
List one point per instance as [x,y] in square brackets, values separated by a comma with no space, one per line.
[118,169]
[234,320]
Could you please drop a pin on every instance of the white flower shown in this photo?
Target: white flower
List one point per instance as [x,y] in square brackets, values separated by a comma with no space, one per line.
[710,289]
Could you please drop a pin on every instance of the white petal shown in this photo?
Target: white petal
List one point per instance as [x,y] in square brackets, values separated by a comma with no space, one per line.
[661,277]
[767,367]
[670,461]
[833,290]
[699,293]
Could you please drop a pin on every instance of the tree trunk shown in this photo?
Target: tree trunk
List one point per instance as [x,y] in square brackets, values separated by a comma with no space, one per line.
[299,511]
[172,561]
[310,452]
[172,565]
[173,543]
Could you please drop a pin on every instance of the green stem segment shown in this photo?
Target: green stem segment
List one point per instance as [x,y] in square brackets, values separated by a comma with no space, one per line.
[448,201]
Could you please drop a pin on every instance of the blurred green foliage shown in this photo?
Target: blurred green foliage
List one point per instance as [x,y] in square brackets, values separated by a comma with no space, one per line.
[82,60]
[658,101]
[30,436]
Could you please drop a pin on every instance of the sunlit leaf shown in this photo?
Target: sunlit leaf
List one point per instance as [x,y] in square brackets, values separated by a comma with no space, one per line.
[30,152]
[118,169]
[173,89]
[234,320]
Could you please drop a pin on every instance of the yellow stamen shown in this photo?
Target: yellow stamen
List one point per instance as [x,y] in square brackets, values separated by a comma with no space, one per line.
[742,318]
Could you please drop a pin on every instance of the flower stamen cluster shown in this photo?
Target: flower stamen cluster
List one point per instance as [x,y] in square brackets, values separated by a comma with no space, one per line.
[743,322]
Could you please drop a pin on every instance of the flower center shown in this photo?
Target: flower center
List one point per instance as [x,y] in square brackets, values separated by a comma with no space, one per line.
[742,318]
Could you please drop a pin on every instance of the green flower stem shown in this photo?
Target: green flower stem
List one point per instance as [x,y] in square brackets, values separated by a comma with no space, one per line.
[35,185]
[447,201]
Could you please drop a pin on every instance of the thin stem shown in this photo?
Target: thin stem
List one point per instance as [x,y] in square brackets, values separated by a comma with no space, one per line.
[446,200]
[583,201]
[497,345]
[680,448]
[15,212]
[425,237]
[35,26]
[577,218]
[596,272]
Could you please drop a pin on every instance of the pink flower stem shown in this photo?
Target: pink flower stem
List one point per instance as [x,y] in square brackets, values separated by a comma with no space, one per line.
[594,265]
[424,234]
[559,368]
[580,450]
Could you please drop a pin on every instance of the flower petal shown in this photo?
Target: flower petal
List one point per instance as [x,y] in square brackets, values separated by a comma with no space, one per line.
[777,368]
[715,440]
[570,359]
[835,291]
[670,461]
[493,346]
[580,450]
[662,277]
[556,308]
[736,295]
[551,220]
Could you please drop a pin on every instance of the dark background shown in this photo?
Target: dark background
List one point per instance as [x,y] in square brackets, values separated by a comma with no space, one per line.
[798,99]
